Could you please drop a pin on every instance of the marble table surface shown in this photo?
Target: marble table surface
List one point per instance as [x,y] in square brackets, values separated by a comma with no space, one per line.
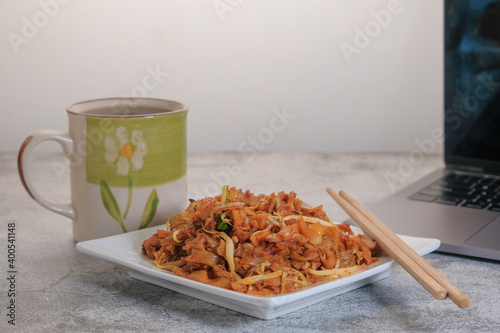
[58,289]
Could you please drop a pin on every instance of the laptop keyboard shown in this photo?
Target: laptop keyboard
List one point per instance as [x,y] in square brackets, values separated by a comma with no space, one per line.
[464,190]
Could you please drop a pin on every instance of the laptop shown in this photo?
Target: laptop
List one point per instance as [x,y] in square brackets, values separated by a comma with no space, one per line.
[460,204]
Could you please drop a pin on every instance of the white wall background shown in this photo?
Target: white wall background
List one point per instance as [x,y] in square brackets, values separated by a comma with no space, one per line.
[233,66]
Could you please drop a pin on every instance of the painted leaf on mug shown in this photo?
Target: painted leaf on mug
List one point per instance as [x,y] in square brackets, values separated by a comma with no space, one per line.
[150,209]
[109,202]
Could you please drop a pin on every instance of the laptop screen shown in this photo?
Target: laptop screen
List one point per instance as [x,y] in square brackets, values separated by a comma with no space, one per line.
[472,84]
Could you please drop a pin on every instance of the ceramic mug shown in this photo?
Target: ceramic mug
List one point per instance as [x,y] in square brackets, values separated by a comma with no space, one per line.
[127,159]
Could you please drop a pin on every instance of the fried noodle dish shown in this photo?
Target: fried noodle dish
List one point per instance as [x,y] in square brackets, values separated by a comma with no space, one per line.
[258,244]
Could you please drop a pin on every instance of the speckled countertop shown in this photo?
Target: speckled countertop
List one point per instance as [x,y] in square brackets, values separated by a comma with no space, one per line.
[58,289]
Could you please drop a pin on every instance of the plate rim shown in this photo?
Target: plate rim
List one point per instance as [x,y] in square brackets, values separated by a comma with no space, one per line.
[266,307]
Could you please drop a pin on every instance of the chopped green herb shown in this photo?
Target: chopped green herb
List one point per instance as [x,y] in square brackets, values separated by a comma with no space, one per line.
[222,226]
[223,222]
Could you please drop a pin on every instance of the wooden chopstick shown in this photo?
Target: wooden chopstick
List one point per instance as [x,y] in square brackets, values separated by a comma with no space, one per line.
[455,294]
[412,262]
[390,247]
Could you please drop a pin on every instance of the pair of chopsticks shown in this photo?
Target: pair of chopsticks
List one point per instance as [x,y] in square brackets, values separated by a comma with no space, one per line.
[433,281]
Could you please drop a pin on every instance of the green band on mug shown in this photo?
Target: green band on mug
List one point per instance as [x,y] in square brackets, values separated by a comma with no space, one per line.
[149,150]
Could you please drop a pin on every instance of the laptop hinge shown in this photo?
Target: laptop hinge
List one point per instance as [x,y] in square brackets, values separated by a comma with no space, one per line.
[466,168]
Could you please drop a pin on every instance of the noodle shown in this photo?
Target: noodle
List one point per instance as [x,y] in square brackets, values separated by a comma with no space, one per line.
[258,244]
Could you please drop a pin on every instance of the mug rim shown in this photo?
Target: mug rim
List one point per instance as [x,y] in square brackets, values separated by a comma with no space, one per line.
[100,103]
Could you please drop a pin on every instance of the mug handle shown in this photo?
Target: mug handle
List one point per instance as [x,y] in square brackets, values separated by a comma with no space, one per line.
[23,160]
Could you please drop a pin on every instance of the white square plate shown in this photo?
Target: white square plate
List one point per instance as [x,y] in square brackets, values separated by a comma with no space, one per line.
[125,250]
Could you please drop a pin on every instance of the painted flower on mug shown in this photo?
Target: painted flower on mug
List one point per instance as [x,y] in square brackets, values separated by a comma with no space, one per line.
[126,152]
